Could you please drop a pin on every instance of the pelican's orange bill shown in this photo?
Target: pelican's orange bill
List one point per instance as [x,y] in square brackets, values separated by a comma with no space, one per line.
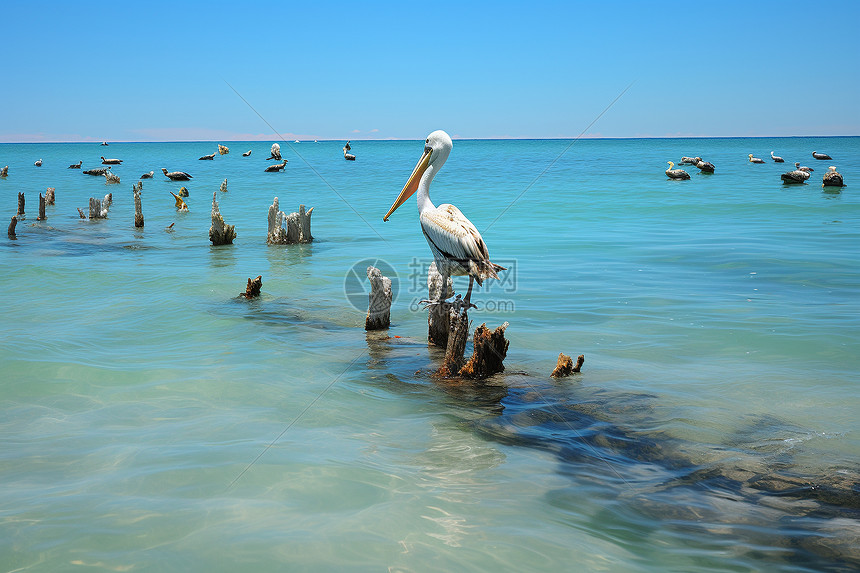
[412,184]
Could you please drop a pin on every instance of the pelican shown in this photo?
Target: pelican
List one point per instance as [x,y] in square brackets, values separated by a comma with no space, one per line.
[832,178]
[705,166]
[676,173]
[38,163]
[346,155]
[799,168]
[99,171]
[147,175]
[796,176]
[247,153]
[276,152]
[111,161]
[176,175]
[456,244]
[76,165]
[755,159]
[776,158]
[211,156]
[180,204]
[276,167]
[817,155]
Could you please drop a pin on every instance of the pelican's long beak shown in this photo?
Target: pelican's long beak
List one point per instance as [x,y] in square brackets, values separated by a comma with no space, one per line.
[412,184]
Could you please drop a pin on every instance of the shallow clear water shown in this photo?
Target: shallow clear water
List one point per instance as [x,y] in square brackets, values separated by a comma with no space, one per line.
[152,420]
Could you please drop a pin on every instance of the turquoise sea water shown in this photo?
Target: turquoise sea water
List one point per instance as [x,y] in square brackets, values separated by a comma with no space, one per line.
[150,420]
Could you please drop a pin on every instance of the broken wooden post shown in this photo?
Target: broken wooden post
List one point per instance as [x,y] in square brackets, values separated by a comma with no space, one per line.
[99,209]
[437,315]
[42,215]
[223,149]
[277,234]
[20,214]
[253,288]
[4,172]
[81,213]
[11,230]
[220,233]
[299,226]
[111,177]
[379,301]
[138,208]
[490,349]
[49,196]
[288,229]
[457,336]
[566,367]
[224,186]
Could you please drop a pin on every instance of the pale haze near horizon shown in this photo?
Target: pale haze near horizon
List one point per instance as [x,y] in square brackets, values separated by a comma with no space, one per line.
[160,71]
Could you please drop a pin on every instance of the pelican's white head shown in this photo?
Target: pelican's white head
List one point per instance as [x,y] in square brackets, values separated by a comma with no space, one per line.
[437,147]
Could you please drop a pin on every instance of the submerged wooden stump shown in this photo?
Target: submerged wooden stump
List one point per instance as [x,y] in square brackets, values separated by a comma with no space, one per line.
[490,349]
[566,367]
[12,225]
[20,214]
[288,229]
[49,196]
[223,187]
[138,209]
[438,323]
[379,301]
[220,233]
[253,288]
[4,172]
[223,149]
[42,215]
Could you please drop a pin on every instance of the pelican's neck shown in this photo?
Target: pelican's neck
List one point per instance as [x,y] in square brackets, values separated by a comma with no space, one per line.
[424,202]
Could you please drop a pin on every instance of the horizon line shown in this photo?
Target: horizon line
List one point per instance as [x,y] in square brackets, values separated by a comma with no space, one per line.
[99,143]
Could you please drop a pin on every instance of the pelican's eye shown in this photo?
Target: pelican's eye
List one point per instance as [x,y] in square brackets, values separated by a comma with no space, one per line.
[428,149]
[427,140]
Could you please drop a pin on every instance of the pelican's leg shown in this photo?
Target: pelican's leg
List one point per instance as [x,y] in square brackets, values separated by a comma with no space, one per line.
[442,292]
[467,301]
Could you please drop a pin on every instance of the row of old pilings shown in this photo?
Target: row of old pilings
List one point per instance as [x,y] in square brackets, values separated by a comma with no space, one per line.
[448,327]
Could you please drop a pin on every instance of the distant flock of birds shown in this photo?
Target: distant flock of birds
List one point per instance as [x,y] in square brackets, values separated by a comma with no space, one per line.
[181,175]
[800,174]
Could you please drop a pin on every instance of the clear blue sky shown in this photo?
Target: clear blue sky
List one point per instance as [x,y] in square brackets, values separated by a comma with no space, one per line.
[156,71]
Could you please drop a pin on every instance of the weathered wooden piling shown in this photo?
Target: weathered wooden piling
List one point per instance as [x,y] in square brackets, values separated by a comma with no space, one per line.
[437,316]
[223,149]
[832,178]
[223,187]
[4,172]
[566,367]
[49,196]
[99,208]
[42,215]
[488,354]
[220,233]
[379,301]
[458,334]
[138,208]
[11,230]
[20,214]
[253,288]
[288,229]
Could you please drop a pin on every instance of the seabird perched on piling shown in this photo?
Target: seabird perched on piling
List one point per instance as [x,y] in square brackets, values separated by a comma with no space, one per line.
[147,175]
[755,159]
[796,176]
[276,152]
[687,161]
[832,178]
[804,168]
[176,175]
[817,155]
[776,158]
[346,155]
[76,165]
[111,161]
[679,174]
